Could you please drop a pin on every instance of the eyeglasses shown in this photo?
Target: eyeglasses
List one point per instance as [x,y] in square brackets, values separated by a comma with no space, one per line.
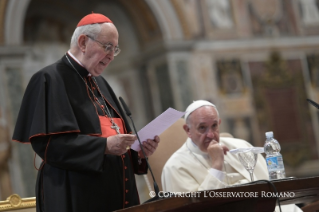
[107,47]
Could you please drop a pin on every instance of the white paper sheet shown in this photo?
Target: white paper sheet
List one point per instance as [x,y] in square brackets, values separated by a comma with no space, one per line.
[157,126]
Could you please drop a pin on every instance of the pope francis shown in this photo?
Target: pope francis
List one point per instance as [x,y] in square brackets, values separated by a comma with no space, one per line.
[202,163]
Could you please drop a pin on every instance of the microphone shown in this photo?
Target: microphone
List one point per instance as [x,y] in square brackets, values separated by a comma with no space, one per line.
[129,114]
[313,103]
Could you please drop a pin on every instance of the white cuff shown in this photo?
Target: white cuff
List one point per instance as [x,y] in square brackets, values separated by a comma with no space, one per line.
[216,173]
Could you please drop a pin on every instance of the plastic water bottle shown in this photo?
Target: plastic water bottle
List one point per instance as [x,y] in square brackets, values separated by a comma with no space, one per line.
[274,160]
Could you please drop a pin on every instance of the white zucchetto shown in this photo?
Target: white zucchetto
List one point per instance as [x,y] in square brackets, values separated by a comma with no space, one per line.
[195,105]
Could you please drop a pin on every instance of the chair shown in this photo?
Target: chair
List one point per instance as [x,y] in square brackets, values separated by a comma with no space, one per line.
[171,140]
[15,203]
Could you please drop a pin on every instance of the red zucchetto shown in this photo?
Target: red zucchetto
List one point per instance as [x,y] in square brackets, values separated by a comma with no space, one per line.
[94,18]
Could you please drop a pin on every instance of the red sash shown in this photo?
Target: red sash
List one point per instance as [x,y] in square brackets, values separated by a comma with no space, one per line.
[106,126]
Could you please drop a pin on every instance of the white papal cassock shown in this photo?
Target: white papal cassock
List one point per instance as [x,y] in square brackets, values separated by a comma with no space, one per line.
[189,169]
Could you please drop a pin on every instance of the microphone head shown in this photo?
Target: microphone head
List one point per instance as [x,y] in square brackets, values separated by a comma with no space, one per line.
[127,111]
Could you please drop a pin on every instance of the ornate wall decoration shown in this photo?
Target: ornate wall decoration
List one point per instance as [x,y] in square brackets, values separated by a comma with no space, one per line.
[188,12]
[220,13]
[281,107]
[218,18]
[309,10]
[271,18]
[193,17]
[230,77]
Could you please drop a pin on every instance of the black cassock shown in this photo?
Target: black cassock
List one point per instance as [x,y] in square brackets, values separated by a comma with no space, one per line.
[60,119]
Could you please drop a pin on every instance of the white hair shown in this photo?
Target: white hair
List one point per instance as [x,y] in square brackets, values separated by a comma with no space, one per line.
[92,30]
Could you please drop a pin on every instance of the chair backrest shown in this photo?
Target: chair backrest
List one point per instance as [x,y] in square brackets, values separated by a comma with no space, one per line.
[171,140]
[15,203]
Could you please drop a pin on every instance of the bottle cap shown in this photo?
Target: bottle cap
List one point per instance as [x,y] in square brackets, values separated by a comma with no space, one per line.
[269,134]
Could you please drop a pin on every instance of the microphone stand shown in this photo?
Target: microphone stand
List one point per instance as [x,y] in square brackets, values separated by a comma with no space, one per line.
[316,105]
[156,189]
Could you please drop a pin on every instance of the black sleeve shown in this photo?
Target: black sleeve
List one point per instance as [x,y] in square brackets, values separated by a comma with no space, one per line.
[71,151]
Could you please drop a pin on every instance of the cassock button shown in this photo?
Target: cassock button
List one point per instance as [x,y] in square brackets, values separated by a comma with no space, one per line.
[126,202]
[123,156]
[125,167]
[126,179]
[126,191]
[102,106]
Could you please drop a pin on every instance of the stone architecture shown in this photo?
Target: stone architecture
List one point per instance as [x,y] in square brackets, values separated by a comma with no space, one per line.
[257,60]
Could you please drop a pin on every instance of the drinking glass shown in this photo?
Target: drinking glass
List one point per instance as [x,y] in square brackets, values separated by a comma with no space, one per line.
[248,159]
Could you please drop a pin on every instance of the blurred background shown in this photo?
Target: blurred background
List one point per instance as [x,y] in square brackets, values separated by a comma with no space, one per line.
[257,60]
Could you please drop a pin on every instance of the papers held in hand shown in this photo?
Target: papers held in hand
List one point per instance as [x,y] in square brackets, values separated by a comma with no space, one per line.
[157,126]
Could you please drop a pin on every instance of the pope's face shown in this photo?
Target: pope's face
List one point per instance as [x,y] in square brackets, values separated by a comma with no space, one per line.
[203,126]
[95,58]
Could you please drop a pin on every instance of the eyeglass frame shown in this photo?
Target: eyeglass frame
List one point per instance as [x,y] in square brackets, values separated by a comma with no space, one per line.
[116,50]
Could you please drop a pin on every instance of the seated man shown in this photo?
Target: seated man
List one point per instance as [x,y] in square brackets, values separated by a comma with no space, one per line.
[202,163]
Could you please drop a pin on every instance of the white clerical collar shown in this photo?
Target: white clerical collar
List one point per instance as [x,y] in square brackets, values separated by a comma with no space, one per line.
[74,58]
